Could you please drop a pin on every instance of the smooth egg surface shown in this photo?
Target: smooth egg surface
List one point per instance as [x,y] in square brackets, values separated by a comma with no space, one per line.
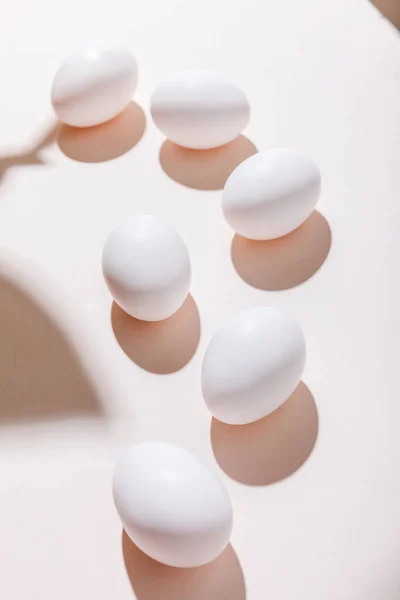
[271,193]
[94,85]
[171,506]
[199,109]
[147,269]
[252,365]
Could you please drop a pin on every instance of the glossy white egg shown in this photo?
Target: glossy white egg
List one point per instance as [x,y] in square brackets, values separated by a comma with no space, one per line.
[252,365]
[270,194]
[147,269]
[171,506]
[199,109]
[94,85]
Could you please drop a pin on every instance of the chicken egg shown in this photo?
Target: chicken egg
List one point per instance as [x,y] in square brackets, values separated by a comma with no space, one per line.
[199,109]
[94,85]
[171,506]
[271,193]
[252,365]
[147,269]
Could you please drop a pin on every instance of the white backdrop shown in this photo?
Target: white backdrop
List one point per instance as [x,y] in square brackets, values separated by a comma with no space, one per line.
[315,487]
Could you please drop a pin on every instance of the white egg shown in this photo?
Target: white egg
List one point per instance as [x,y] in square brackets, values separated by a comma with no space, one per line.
[252,365]
[171,506]
[270,194]
[146,266]
[94,85]
[199,109]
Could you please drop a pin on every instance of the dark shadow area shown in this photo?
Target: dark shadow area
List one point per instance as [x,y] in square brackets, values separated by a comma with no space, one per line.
[221,579]
[104,142]
[204,169]
[30,157]
[287,261]
[41,375]
[272,448]
[163,346]
[389,9]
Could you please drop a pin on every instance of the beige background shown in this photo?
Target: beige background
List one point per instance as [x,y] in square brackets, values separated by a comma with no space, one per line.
[316,486]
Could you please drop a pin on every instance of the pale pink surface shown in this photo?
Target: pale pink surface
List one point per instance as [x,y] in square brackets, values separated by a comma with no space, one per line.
[321,76]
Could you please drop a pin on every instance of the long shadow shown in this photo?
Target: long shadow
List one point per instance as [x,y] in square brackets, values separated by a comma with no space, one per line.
[104,142]
[221,579]
[160,347]
[272,448]
[204,169]
[286,262]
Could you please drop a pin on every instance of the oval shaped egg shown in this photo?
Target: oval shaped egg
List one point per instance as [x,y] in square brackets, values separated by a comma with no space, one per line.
[94,85]
[146,266]
[199,109]
[270,194]
[171,506]
[252,365]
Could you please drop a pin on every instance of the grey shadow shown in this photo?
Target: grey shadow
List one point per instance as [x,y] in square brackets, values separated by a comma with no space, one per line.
[104,142]
[272,448]
[389,9]
[285,262]
[161,347]
[41,375]
[221,579]
[30,157]
[204,169]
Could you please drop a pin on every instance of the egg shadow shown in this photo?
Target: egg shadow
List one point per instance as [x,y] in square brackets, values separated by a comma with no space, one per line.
[204,169]
[104,142]
[285,262]
[222,579]
[41,373]
[272,448]
[160,347]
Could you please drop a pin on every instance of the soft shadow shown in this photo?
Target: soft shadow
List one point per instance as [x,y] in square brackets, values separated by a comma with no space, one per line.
[272,448]
[106,141]
[287,261]
[41,375]
[390,9]
[221,579]
[159,347]
[32,156]
[204,169]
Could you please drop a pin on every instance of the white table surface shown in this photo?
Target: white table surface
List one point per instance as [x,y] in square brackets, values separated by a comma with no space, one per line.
[318,523]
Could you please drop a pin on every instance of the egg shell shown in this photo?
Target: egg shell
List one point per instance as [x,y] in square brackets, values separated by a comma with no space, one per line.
[252,365]
[199,109]
[94,85]
[171,506]
[271,193]
[147,269]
